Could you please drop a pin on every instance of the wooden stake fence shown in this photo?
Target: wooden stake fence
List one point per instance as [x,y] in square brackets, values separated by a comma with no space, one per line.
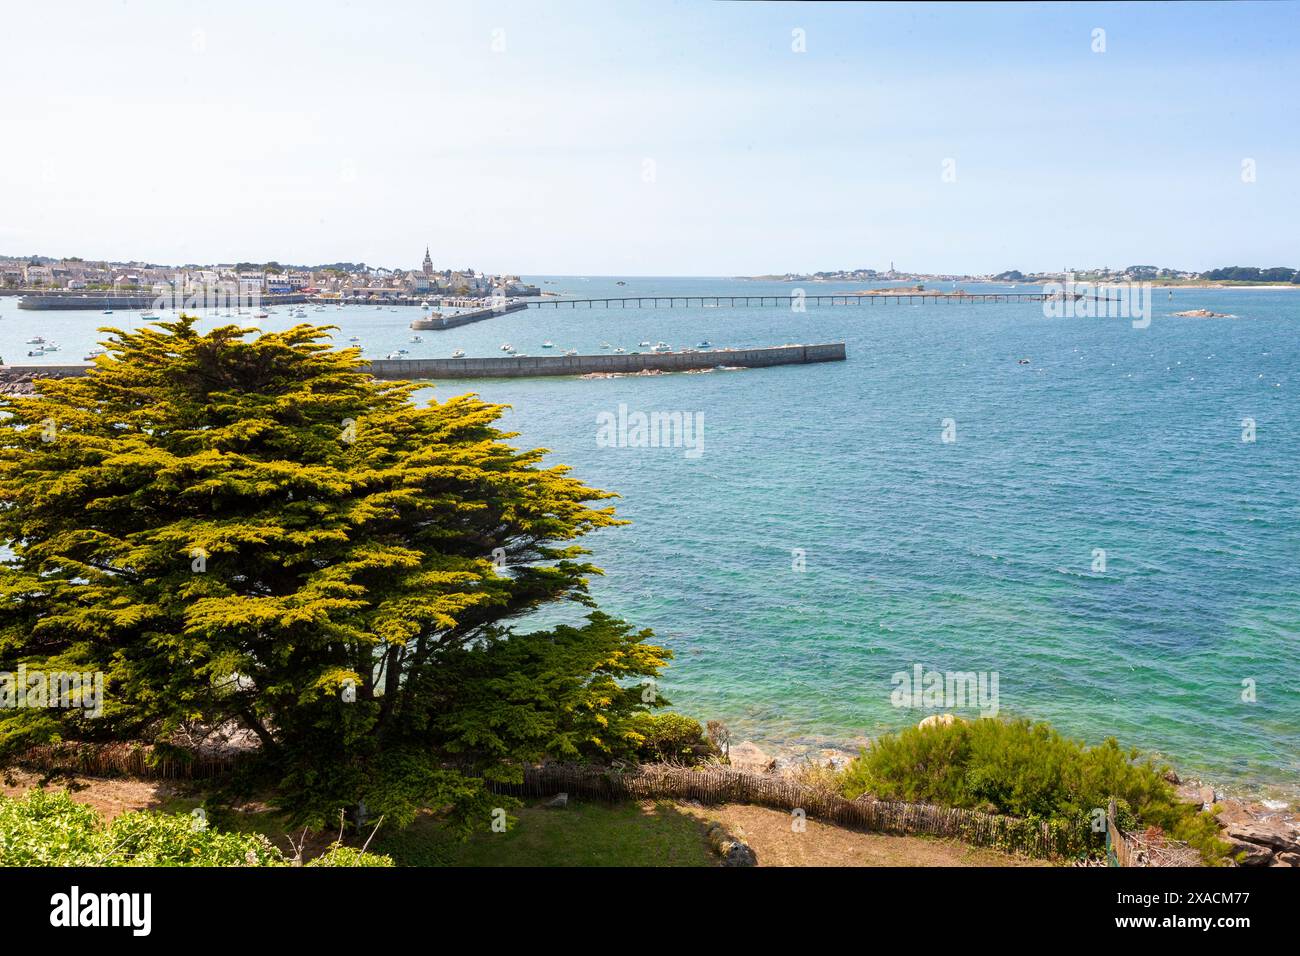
[715,785]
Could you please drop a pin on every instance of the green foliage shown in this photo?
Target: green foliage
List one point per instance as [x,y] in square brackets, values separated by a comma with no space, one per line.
[672,737]
[48,829]
[340,855]
[1276,274]
[252,531]
[51,829]
[1027,770]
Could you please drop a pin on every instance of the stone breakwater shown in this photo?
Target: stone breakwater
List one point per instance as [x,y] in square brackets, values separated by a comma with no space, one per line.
[529,365]
[19,379]
[437,321]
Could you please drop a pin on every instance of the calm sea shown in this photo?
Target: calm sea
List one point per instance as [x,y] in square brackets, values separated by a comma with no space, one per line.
[978,554]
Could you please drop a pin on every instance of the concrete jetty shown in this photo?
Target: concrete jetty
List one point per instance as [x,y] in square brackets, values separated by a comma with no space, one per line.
[522,366]
[19,378]
[438,321]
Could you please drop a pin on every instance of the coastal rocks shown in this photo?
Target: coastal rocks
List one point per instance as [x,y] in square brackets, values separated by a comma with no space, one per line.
[1269,833]
[749,757]
[1254,854]
[731,847]
[1262,833]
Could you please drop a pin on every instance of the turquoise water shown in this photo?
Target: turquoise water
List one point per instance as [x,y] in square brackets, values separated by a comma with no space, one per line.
[971,556]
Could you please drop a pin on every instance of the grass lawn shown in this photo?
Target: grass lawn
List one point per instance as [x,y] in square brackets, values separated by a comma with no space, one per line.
[581,834]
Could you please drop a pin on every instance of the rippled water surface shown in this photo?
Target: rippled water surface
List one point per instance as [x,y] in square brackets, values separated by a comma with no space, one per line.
[975,555]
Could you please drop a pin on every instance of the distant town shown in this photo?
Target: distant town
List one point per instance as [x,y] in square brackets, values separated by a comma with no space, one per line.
[1228,275]
[359,282]
[244,279]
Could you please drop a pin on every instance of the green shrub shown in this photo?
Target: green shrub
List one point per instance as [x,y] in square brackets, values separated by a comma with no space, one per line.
[47,829]
[340,855]
[150,838]
[51,829]
[669,737]
[1027,770]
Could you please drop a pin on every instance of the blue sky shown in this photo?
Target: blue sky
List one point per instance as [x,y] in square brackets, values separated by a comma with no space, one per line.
[324,131]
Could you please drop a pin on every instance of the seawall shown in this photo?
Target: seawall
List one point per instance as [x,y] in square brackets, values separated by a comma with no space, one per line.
[465,318]
[128,302]
[19,377]
[537,365]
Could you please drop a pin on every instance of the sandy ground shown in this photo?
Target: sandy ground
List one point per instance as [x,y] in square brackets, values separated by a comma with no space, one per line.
[110,797]
[769,832]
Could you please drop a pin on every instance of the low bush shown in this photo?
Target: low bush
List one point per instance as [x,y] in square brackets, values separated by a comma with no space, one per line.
[1027,770]
[46,828]
[670,737]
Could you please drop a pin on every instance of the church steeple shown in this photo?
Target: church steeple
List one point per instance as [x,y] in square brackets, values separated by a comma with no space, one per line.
[428,263]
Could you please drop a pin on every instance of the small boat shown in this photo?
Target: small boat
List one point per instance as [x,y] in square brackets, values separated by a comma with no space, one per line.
[94,354]
[604,345]
[51,347]
[704,345]
[620,282]
[416,338]
[261,315]
[644,345]
[36,340]
[459,353]
[147,314]
[620,351]
[507,347]
[319,308]
[35,352]
[354,339]
[107,312]
[401,352]
[424,304]
[548,344]
[571,352]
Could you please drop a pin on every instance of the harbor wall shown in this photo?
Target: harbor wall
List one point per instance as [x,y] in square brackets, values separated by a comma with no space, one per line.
[465,318]
[527,366]
[536,365]
[127,302]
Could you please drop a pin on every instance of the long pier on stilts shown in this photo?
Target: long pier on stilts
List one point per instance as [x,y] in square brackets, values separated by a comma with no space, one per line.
[758,301]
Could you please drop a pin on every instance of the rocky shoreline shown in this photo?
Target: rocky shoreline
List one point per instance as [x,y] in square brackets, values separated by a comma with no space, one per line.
[1268,834]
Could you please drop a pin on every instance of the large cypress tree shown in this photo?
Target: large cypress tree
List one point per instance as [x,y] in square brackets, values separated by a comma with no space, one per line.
[246,529]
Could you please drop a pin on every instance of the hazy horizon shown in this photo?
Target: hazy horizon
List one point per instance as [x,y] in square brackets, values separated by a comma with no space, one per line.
[653,139]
